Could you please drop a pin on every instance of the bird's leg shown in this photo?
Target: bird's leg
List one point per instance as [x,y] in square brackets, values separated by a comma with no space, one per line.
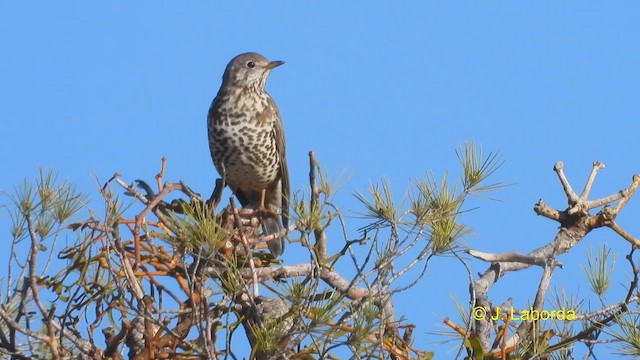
[263,195]
[263,210]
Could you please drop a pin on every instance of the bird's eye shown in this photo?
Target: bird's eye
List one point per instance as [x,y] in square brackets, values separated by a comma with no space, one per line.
[251,64]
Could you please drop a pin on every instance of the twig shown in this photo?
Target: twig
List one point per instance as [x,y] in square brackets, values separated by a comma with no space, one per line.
[459,329]
[597,165]
[331,278]
[245,244]
[541,208]
[140,217]
[503,345]
[16,326]
[568,190]
[607,309]
[512,257]
[635,181]
[128,270]
[473,301]
[318,230]
[606,200]
[160,175]
[33,280]
[625,235]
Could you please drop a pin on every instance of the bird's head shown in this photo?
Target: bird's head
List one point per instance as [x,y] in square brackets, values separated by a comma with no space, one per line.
[249,70]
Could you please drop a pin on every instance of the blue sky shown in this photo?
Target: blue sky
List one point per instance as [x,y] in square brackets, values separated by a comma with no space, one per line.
[376,89]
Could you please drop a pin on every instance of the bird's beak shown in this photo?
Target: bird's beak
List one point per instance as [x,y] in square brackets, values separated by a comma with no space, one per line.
[273,64]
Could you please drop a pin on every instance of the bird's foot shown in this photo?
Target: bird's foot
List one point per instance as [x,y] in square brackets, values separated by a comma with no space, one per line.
[264,212]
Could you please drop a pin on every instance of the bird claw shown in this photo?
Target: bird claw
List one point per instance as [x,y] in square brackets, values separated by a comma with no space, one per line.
[264,212]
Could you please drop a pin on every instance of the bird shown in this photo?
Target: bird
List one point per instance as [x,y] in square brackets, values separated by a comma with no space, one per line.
[247,142]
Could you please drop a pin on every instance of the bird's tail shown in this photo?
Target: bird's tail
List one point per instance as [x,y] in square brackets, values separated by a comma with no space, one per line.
[273,225]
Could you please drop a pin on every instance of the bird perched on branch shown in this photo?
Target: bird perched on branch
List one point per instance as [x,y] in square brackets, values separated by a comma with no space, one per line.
[247,143]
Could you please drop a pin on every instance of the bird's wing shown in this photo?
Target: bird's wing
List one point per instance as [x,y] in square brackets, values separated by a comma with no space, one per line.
[284,168]
[211,121]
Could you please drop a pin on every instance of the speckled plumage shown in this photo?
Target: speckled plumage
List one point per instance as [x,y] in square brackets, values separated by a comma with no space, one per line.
[247,142]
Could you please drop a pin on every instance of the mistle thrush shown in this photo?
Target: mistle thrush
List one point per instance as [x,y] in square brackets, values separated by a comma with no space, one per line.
[247,142]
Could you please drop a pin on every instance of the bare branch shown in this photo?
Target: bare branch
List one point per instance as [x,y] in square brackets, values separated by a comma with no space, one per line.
[597,165]
[512,257]
[568,190]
